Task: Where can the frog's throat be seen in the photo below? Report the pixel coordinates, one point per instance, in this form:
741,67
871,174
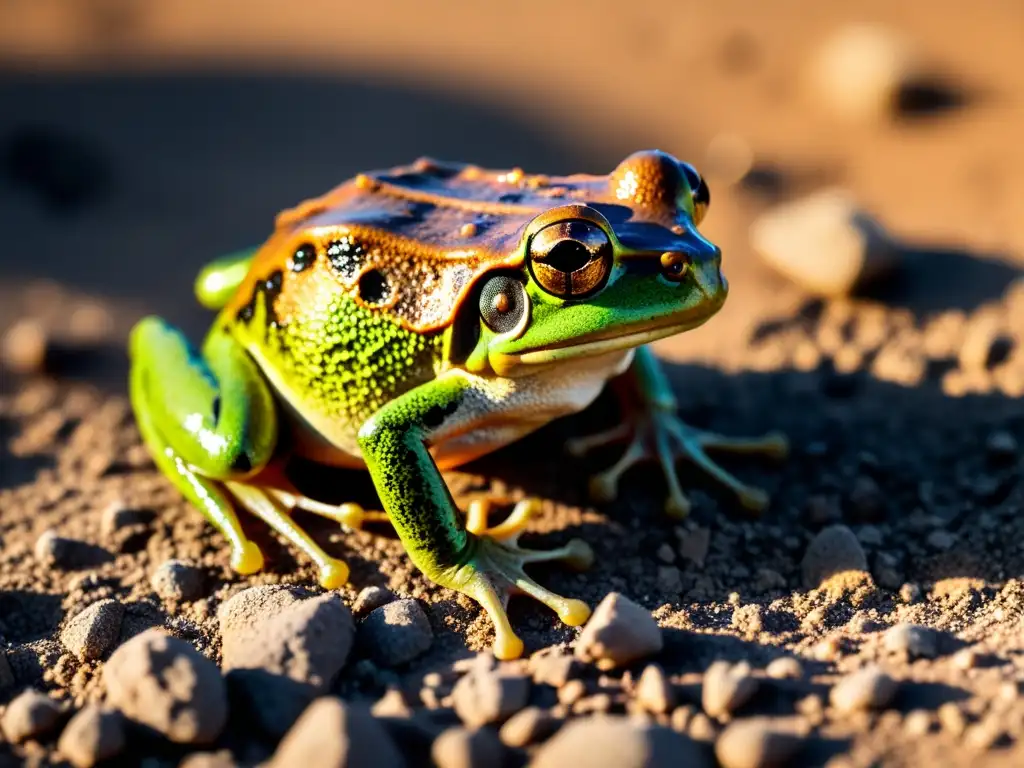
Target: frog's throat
506,365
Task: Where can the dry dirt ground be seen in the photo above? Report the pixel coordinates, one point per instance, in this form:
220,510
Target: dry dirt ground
142,140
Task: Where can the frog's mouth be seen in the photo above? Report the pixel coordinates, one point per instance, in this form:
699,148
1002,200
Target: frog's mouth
595,344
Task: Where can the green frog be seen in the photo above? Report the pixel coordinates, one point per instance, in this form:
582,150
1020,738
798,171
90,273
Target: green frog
414,319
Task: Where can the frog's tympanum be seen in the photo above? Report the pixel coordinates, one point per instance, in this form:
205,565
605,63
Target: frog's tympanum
414,319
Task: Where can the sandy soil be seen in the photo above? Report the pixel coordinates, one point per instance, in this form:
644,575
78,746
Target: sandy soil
144,139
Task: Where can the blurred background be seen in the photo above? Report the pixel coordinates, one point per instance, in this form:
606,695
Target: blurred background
138,140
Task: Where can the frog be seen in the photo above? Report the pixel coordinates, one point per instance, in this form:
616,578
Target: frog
416,318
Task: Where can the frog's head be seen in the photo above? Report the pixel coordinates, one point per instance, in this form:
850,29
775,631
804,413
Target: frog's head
604,276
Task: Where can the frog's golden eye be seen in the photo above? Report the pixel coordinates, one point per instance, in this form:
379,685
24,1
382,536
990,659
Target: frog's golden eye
674,265
503,303
571,259
699,192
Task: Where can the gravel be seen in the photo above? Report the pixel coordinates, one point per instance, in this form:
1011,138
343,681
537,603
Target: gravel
177,580
285,662
371,598
757,742
654,691
30,715
92,736
835,549
911,641
727,688
464,748
164,683
396,633
333,734
866,689
618,633
531,725
93,632
605,741
485,696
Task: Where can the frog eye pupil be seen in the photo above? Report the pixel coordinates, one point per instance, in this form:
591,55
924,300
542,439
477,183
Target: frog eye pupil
502,303
568,256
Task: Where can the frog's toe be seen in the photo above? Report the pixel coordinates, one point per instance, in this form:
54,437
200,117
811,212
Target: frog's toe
510,528
246,558
495,571
333,573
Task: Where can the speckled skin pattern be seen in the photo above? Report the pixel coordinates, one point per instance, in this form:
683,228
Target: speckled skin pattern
415,319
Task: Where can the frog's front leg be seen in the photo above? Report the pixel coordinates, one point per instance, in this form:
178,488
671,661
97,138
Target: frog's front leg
487,567
655,431
210,423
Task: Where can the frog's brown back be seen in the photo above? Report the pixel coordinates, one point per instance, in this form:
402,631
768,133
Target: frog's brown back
410,241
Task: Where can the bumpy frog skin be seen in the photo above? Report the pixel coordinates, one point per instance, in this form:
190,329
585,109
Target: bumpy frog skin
414,319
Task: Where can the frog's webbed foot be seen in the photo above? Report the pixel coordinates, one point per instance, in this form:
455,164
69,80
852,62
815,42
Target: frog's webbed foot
655,433
494,570
267,505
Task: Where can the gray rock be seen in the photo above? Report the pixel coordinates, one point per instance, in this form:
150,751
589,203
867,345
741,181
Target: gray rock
117,516
757,742
835,549
332,734
528,726
372,598
30,715
726,688
653,691
618,633
67,554
396,633
242,616
92,736
912,641
866,689
489,696
177,580
291,659
164,683
606,741
463,748
784,668
93,632
824,243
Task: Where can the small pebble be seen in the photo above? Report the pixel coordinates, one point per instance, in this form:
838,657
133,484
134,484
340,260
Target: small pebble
618,633
835,549
940,540
694,545
866,689
913,642
531,725
824,243
371,598
333,734
93,632
485,696
222,758
867,504
92,736
756,742
24,347
952,718
727,688
177,580
1001,447
572,691
552,668
784,668
603,741
396,633
966,658
117,516
982,336
653,691
666,554
917,723
30,715
463,748
858,72
164,683
64,553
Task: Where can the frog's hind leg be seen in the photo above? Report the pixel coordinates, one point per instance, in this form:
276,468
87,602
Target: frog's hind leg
269,507
205,494
655,432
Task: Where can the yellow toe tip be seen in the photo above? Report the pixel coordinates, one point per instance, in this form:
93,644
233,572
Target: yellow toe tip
602,489
677,508
776,445
574,613
353,515
507,647
754,499
579,555
247,559
334,575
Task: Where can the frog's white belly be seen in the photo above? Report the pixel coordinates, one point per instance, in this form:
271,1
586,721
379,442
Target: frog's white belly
494,412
